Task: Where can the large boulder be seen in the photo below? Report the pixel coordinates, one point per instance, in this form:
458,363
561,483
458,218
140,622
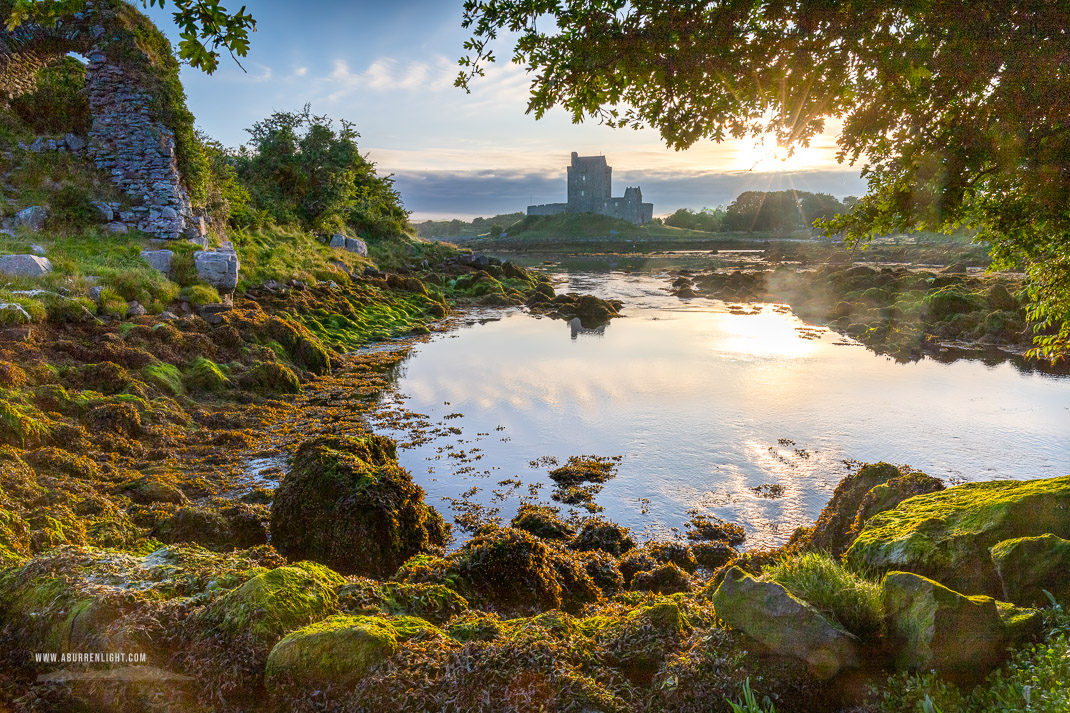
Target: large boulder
219,267
787,626
1029,566
32,218
24,265
947,535
936,629
348,504
339,651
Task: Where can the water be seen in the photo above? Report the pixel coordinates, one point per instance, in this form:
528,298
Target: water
704,405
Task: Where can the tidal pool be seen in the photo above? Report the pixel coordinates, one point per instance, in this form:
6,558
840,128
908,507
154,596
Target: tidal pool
705,405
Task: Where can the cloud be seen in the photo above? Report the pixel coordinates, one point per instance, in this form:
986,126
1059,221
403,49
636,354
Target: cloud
387,74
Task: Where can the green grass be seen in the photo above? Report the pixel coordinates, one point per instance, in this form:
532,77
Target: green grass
287,253
832,589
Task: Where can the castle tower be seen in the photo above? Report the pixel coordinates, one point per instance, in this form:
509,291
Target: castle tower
590,183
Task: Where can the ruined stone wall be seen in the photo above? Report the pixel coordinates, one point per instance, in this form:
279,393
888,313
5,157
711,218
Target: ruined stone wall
136,151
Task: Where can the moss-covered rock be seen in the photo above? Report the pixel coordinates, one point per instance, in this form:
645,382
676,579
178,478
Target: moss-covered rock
936,629
637,641
270,377
348,504
888,495
834,529
1029,566
436,603
713,555
666,578
947,535
201,525
150,489
271,604
515,571
204,375
337,652
770,614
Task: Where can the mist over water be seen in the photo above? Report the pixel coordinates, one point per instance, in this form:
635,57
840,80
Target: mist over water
704,405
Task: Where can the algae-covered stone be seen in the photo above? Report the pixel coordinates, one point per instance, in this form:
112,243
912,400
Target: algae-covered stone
279,601
888,495
769,614
1029,566
348,504
947,535
639,641
934,628
834,529
542,521
513,570
340,650
599,534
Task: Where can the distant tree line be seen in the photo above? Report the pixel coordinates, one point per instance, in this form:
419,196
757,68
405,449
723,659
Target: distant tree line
457,228
763,211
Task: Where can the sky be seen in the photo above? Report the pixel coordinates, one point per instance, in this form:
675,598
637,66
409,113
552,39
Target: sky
389,67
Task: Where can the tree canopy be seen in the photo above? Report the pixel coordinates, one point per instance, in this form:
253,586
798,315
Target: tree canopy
958,111
304,171
205,26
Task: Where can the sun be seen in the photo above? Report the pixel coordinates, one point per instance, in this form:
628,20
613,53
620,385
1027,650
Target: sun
764,154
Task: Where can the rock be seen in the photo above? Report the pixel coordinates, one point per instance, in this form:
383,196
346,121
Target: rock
347,503
1029,566
167,316
787,626
888,495
37,249
117,228
24,266
148,489
340,650
274,603
75,143
358,246
94,292
39,144
370,271
200,240
32,218
948,535
219,267
543,521
936,629
959,268
160,260
663,579
834,529
338,241
515,571
599,534
135,309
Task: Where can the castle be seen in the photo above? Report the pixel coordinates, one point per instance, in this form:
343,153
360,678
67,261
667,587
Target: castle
590,181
